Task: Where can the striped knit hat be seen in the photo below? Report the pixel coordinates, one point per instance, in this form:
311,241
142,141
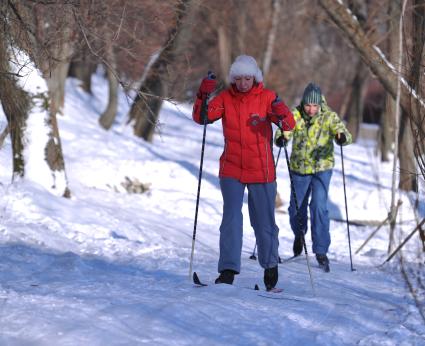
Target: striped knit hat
312,94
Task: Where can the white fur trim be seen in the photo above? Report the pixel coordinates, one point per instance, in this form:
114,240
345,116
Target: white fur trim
245,65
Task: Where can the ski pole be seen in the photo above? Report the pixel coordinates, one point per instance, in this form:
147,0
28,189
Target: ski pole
346,210
204,116
298,217
253,256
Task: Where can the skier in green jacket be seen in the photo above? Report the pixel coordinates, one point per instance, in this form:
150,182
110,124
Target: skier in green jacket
311,164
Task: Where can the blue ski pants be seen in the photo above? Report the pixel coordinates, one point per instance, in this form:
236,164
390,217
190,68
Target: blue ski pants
317,186
261,206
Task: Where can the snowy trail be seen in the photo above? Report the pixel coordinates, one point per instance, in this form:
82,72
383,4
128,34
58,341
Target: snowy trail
110,268
131,304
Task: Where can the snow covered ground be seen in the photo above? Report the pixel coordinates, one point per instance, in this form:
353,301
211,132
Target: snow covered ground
111,268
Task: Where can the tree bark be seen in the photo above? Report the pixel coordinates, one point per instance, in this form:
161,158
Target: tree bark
240,33
145,109
55,77
271,38
416,77
16,104
224,52
386,132
408,179
108,116
387,118
354,115
82,69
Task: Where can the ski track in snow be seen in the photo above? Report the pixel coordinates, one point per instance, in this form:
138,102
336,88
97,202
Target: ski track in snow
110,268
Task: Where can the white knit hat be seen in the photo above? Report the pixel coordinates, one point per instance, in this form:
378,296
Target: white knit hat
245,65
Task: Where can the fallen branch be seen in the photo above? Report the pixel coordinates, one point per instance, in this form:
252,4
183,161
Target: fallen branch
389,217
417,228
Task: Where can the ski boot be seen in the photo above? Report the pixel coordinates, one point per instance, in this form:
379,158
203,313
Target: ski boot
323,262
270,278
226,277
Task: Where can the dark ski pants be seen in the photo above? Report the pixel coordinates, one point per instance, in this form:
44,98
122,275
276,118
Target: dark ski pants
261,206
316,185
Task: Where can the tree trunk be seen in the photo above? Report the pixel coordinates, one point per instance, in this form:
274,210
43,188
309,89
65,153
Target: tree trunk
240,33
82,69
387,118
108,116
408,179
16,104
355,107
146,106
55,76
271,38
145,109
386,132
224,52
53,150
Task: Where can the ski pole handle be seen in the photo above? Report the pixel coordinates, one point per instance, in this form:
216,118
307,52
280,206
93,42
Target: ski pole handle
204,106
211,75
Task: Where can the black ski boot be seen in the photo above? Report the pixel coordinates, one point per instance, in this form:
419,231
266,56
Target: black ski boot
270,278
323,262
298,246
226,277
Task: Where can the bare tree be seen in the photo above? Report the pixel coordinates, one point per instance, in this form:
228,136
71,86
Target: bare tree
145,109
44,32
414,134
387,118
108,116
82,66
271,37
373,57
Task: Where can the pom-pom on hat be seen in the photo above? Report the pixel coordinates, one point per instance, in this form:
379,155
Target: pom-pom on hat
312,94
245,65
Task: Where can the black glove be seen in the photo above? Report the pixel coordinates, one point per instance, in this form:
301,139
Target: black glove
340,138
281,141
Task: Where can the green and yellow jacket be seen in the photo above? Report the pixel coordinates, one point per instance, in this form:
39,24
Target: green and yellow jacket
313,148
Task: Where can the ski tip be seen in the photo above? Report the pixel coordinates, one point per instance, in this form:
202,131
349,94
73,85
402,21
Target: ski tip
256,288
196,280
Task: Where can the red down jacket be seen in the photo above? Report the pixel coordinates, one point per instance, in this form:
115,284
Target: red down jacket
246,119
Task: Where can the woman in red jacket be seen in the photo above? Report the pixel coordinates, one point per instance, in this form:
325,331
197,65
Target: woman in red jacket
247,111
